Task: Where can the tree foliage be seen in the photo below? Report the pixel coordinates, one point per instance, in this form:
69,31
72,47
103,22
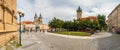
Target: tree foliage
101,21
56,23
68,25
77,25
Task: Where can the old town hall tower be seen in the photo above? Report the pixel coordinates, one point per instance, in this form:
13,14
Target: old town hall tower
79,13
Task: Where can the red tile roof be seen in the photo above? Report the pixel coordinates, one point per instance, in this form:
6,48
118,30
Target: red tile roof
93,17
90,17
83,18
26,22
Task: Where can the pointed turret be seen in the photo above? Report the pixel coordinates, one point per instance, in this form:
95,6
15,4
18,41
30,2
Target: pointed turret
35,18
40,16
40,19
79,9
35,15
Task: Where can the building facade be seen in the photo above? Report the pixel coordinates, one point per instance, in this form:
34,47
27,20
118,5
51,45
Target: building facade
8,21
114,18
30,26
36,25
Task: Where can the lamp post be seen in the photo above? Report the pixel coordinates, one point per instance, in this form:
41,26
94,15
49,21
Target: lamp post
21,14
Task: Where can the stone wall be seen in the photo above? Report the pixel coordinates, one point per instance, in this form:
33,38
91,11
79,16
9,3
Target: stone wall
8,20
114,19
119,15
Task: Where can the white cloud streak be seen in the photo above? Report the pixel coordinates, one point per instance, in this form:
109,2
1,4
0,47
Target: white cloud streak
64,11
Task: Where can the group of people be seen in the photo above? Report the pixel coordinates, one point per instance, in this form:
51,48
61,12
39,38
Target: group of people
33,30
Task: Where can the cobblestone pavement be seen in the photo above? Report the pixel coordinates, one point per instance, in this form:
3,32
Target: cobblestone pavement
49,41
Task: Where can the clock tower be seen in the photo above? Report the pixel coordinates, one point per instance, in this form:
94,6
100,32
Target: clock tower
79,13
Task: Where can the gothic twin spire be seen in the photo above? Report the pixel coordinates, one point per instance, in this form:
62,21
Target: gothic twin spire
37,16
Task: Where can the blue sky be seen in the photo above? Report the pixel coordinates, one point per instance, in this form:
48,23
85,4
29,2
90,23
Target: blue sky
64,9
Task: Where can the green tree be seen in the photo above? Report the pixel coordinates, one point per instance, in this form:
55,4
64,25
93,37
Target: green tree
76,25
68,25
95,25
101,21
56,23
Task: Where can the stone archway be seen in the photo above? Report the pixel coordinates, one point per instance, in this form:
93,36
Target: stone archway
113,29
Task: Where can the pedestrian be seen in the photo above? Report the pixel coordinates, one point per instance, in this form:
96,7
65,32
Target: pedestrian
30,29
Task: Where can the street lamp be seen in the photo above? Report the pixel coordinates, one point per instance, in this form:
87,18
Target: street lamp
21,14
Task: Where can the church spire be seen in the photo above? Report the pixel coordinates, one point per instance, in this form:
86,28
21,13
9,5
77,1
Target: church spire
79,13
35,15
79,9
40,16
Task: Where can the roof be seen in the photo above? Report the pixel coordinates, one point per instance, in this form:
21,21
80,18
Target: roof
83,18
90,17
93,17
26,22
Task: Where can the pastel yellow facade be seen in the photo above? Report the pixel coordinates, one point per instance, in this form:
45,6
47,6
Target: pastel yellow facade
8,21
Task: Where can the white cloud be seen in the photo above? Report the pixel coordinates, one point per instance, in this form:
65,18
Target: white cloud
25,6
49,8
49,11
103,6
